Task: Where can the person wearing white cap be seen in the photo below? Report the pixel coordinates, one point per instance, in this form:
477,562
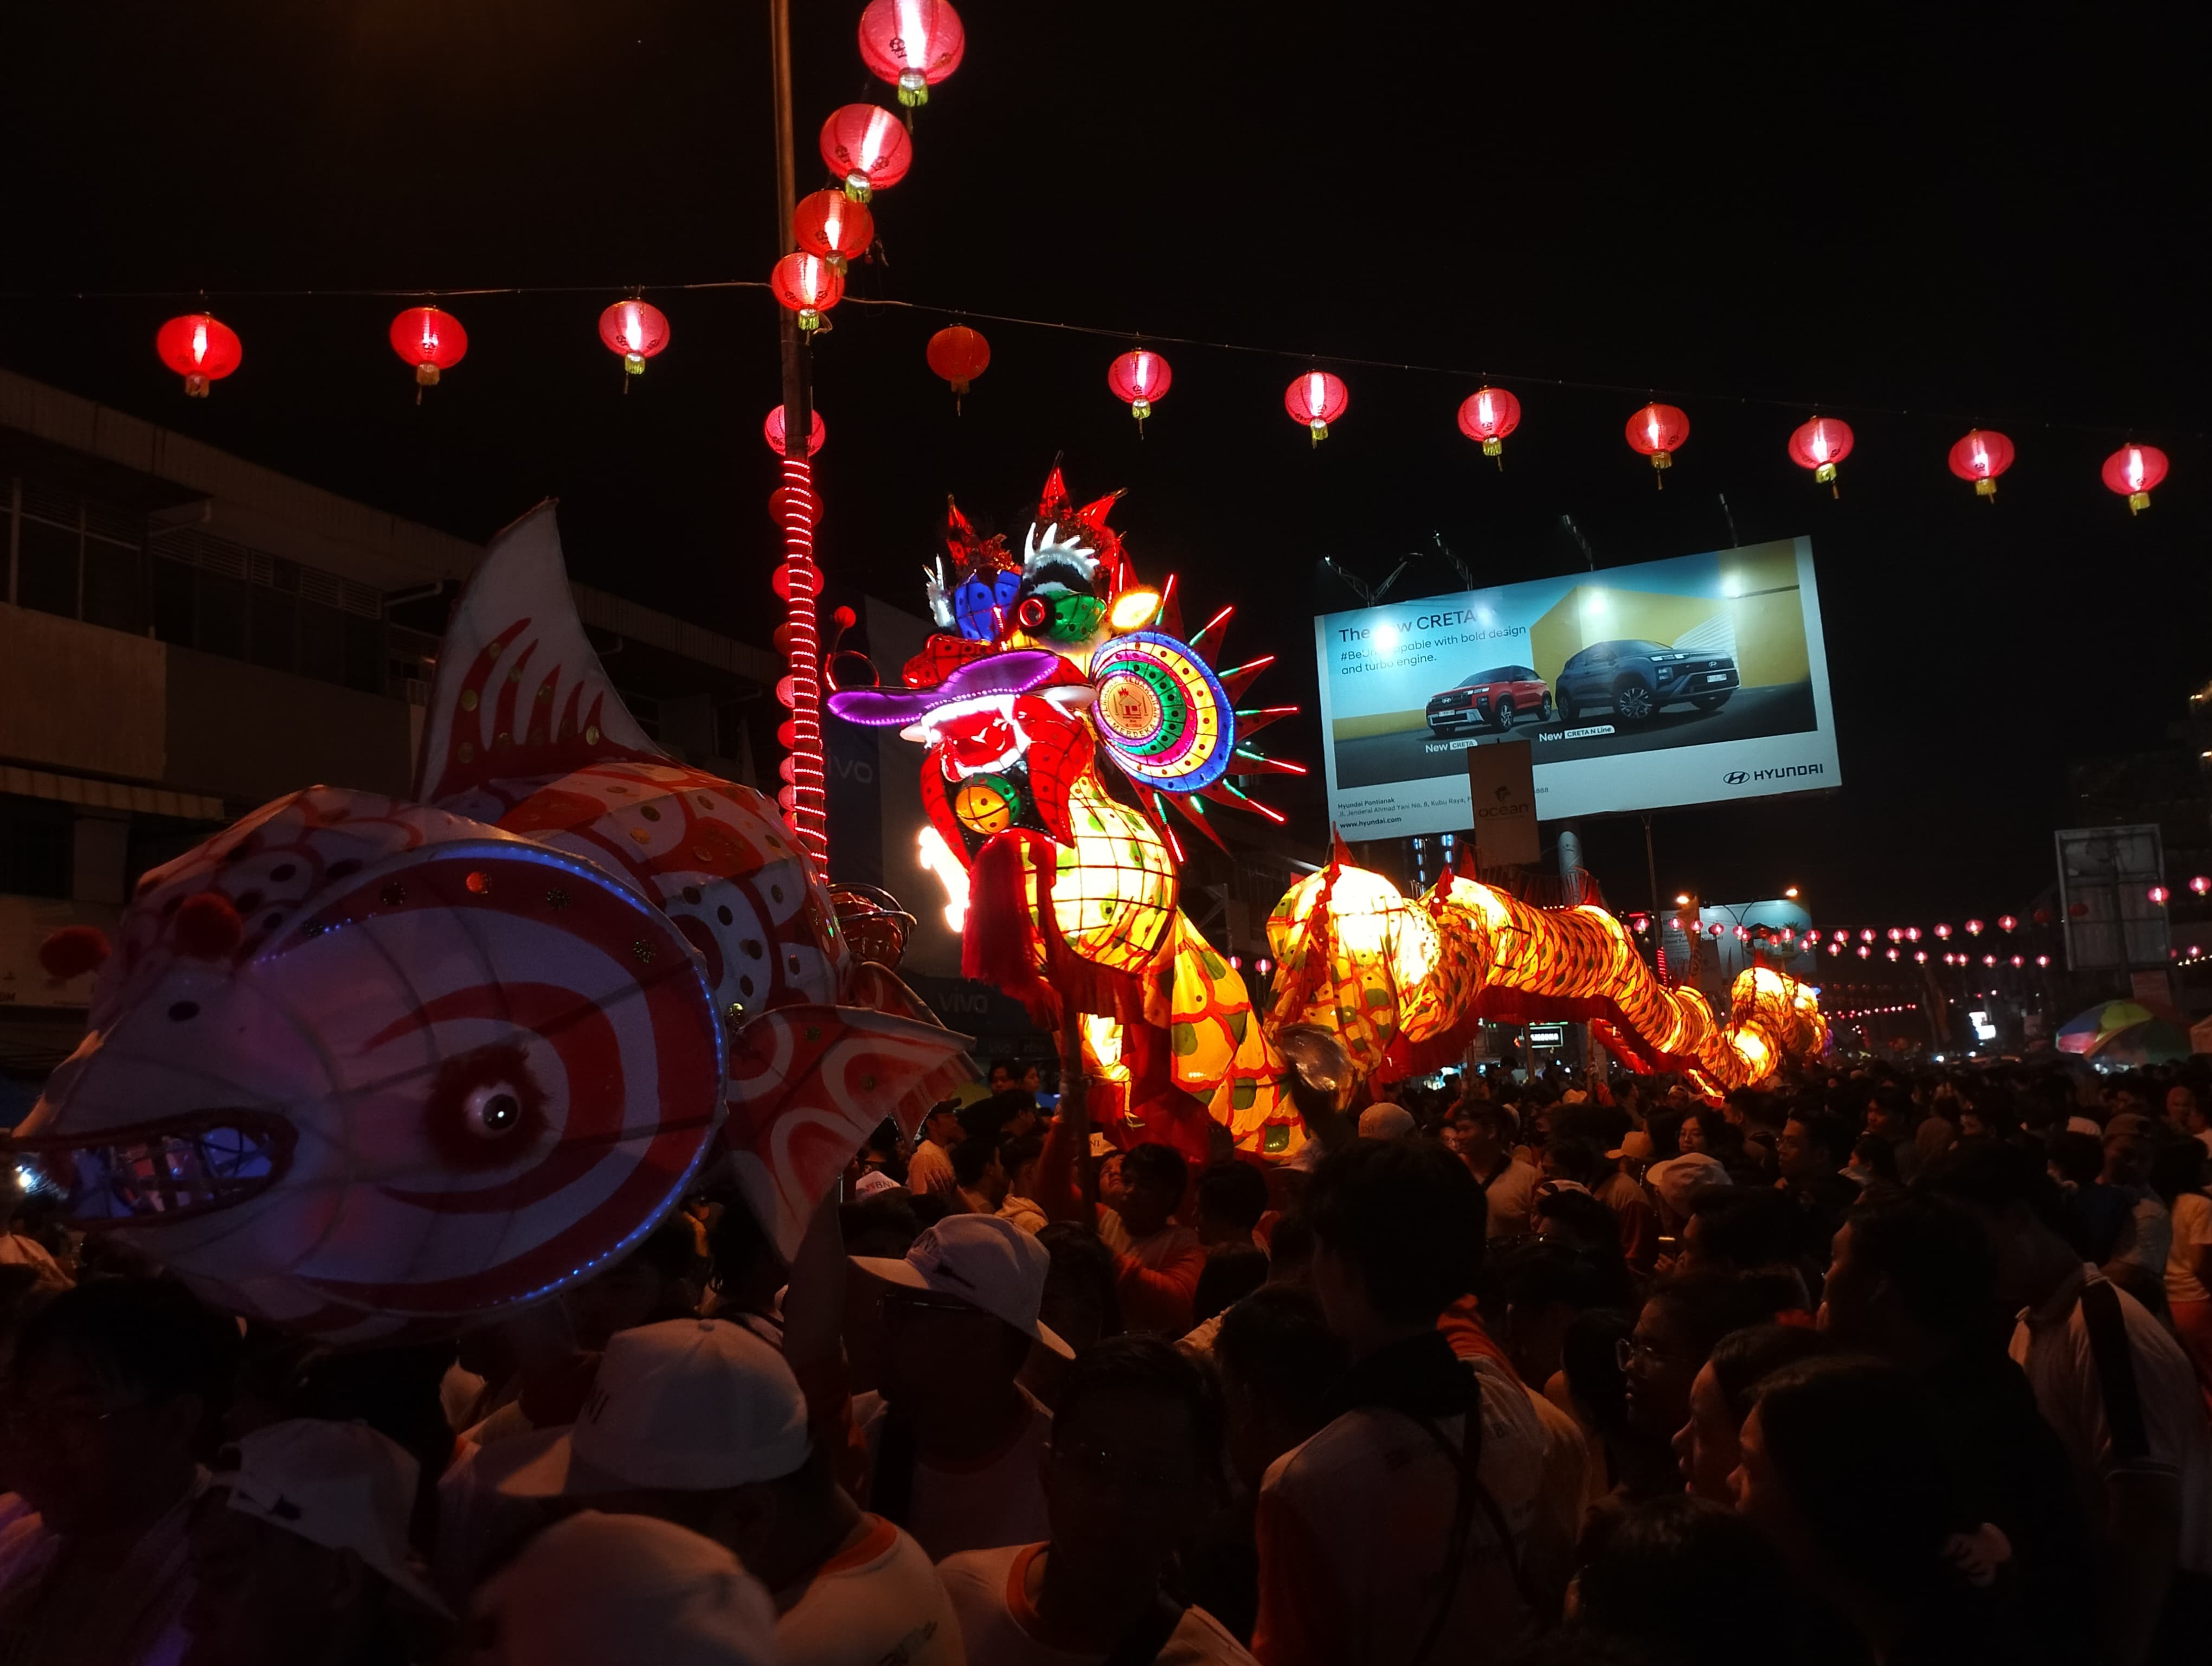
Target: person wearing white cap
299,1553
701,1423
953,1440
608,1591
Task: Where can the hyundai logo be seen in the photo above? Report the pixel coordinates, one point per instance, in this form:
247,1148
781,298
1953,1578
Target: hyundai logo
1736,778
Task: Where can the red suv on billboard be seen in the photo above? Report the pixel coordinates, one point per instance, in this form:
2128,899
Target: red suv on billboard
1490,699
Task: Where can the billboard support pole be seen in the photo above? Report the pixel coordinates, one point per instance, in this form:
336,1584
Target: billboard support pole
1651,865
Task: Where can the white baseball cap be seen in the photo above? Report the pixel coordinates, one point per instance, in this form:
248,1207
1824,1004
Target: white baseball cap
874,1182
984,1261
1386,1121
692,1405
1678,1176
342,1485
595,1589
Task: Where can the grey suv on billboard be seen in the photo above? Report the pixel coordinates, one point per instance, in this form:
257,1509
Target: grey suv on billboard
1636,678
1491,699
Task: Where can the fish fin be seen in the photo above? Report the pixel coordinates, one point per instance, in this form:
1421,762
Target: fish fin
808,1084
519,693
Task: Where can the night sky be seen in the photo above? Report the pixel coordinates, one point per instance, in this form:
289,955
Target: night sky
1919,218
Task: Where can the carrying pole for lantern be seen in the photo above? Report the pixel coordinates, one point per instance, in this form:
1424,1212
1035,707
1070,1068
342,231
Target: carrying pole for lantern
804,799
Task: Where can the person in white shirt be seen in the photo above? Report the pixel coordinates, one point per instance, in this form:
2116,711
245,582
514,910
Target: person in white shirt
1135,1457
929,1171
701,1423
2145,1465
1480,1130
953,1440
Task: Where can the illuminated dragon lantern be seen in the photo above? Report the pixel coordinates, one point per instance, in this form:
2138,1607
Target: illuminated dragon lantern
369,1067
1068,722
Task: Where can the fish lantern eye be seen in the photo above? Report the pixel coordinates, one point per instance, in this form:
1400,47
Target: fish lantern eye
1033,613
491,1111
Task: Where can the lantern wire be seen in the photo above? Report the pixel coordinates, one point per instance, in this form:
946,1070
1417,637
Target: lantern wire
1142,337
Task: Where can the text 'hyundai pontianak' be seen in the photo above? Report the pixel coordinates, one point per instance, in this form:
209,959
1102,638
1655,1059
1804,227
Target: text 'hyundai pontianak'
1046,664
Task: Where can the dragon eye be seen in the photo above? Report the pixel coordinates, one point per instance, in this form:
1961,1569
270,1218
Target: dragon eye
1033,612
491,1111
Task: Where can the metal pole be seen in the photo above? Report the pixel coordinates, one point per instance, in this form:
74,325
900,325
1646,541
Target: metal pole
805,801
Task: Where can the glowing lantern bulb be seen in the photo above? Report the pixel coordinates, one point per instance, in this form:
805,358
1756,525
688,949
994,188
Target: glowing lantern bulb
1658,432
1981,455
1138,378
1316,398
636,329
2132,471
912,43
200,348
2159,894
1973,928
1486,417
2007,922
1819,445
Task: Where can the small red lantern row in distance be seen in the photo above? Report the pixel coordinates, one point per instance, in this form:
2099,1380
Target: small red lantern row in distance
430,339
1819,445
959,354
912,43
866,148
1486,417
200,348
2132,471
1316,398
1658,431
817,431
1981,455
808,285
830,224
1138,378
637,330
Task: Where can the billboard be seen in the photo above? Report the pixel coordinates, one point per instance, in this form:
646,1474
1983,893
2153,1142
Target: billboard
1697,680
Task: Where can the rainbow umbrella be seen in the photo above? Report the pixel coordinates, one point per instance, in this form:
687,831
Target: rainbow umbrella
2155,1042
2090,1032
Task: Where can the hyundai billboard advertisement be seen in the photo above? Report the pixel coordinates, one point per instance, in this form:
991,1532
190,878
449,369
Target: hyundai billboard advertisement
1699,679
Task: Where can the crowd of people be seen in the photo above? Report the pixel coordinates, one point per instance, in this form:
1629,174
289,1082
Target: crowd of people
1868,1364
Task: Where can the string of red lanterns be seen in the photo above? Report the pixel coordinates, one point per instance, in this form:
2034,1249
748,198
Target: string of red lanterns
834,226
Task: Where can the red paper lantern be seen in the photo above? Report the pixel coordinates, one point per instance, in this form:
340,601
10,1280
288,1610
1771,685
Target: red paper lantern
1973,928
866,148
1486,417
1316,398
772,431
1819,445
1942,931
430,339
2201,884
830,224
2159,894
808,285
1981,455
1658,432
199,347
2132,471
912,43
636,329
2007,922
1139,378
959,354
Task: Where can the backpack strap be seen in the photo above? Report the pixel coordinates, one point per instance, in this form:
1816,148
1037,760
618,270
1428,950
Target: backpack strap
2107,1326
